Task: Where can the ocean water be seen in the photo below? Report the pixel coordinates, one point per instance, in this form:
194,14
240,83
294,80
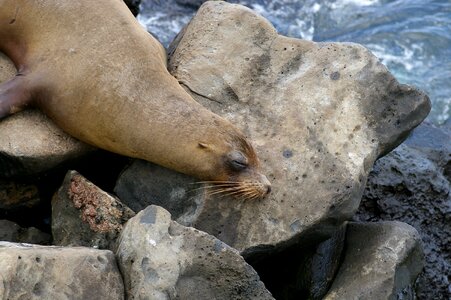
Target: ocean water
411,37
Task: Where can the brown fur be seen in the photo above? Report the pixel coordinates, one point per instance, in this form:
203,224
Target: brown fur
101,77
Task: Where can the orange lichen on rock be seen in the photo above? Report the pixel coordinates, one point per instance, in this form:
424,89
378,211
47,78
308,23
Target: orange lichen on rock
97,208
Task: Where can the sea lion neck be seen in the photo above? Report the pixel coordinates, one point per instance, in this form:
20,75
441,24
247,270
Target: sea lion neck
96,72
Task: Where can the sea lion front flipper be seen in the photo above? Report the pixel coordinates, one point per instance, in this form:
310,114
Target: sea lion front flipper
14,96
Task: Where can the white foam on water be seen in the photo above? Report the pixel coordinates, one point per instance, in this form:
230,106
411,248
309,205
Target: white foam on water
342,3
406,59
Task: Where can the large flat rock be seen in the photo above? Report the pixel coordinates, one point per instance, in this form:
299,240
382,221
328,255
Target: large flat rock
319,114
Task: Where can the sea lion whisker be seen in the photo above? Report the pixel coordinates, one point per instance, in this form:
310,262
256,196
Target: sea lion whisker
235,192
247,194
221,191
213,187
215,181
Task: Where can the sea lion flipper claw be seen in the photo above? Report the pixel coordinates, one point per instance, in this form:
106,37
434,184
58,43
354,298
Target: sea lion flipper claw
14,96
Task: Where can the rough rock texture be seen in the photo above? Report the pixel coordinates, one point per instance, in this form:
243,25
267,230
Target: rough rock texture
319,114
161,259
382,261
29,142
35,272
412,184
84,215
12,232
14,195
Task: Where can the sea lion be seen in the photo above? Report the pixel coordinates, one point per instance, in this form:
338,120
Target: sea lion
95,71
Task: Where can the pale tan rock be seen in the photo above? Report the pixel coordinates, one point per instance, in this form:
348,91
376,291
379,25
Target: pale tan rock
319,114
37,272
29,142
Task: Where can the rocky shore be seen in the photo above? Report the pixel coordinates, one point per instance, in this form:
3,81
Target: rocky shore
343,221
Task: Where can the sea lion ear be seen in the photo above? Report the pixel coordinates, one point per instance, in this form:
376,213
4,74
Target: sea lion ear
202,145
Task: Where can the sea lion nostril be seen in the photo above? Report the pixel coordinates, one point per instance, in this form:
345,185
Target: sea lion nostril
268,189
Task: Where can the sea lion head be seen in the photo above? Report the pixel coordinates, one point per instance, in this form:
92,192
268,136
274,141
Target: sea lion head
237,170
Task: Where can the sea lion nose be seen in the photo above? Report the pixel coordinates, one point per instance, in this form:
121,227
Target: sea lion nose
267,184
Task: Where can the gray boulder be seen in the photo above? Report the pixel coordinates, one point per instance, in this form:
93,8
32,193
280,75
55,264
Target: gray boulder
84,215
382,261
143,183
161,259
29,142
412,184
319,114
12,232
37,272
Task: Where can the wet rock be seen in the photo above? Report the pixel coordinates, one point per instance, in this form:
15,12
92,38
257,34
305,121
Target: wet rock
29,142
15,195
318,114
161,259
12,232
37,272
84,215
382,261
412,185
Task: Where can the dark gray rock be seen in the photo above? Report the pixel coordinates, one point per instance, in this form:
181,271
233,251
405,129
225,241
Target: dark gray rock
161,259
84,215
143,183
37,272
382,261
412,185
12,232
